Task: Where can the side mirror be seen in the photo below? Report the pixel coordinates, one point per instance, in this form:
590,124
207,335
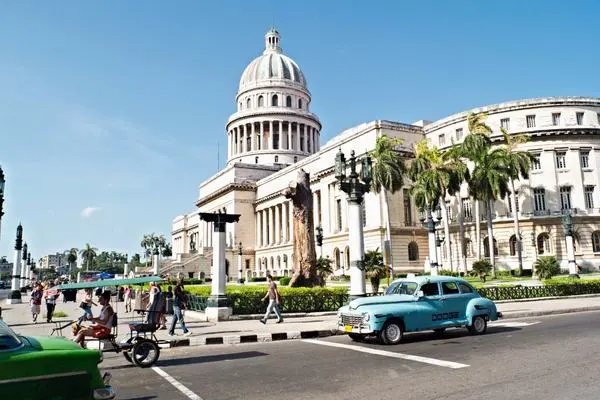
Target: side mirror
418,294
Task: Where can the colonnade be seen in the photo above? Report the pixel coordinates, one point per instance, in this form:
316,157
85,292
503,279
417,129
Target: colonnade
274,225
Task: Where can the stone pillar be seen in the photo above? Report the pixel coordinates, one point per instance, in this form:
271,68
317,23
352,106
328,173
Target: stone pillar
291,218
270,147
229,145
357,250
273,225
253,137
264,225
15,294
261,144
571,256
155,262
289,136
126,269
277,225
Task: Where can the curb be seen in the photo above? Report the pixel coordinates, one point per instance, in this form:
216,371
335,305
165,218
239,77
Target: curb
295,335
578,296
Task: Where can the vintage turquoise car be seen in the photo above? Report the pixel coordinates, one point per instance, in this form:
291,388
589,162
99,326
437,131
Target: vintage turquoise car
48,368
417,304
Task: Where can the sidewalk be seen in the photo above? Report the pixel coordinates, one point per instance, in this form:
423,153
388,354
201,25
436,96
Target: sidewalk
249,329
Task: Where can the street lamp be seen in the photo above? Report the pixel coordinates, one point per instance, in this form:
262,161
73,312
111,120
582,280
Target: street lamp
440,237
430,221
240,269
2,182
567,222
355,186
319,238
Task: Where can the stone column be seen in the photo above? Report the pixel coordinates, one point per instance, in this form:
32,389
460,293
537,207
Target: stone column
357,250
291,218
571,256
155,262
264,225
257,227
270,147
253,136
15,294
23,273
289,136
243,138
261,143
277,225
298,136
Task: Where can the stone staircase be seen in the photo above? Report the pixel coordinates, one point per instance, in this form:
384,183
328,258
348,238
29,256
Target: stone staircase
189,263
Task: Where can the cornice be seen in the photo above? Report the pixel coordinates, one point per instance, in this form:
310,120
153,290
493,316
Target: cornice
236,186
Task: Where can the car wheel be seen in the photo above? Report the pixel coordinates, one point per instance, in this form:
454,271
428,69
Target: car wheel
439,330
145,353
392,332
478,325
357,337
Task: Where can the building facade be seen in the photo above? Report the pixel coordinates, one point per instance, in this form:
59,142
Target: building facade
273,134
53,261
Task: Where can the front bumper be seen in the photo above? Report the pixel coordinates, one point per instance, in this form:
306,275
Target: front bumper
362,329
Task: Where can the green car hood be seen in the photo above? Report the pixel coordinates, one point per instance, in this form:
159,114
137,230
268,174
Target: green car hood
380,300
50,343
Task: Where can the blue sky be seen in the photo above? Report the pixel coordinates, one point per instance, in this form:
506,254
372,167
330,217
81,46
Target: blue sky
112,112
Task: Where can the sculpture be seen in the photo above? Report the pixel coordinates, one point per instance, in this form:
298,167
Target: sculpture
305,258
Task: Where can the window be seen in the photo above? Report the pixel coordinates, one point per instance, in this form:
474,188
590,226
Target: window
543,243
510,202
247,262
295,158
539,199
486,247
555,119
413,251
565,197
248,143
561,162
584,159
448,211
536,164
588,194
248,103
288,101
450,288
338,204
442,140
459,134
274,100
299,103
468,248
275,141
531,121
430,289
468,214
407,207
276,159
261,101
505,123
464,288
596,241
512,245
579,117
598,115
255,160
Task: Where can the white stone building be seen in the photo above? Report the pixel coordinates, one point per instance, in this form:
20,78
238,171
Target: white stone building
273,134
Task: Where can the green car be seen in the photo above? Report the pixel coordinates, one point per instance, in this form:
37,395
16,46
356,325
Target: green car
36,368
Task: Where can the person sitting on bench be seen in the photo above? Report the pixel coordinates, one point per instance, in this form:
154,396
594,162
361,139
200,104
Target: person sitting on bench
101,326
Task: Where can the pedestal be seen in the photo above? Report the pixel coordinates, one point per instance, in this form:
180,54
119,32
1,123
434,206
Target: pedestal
218,308
14,297
240,270
571,257
357,250
16,273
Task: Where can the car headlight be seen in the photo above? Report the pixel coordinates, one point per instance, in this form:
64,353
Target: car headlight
366,317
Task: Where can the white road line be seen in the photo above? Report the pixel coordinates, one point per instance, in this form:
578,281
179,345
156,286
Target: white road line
514,324
187,392
426,360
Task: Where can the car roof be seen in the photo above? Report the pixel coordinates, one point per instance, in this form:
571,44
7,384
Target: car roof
429,278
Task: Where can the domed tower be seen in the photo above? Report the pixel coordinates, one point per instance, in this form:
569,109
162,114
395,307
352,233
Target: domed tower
273,124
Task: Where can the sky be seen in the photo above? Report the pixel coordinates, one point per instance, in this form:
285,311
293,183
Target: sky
113,112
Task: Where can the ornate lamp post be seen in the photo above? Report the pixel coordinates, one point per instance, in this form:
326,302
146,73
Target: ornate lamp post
355,186
240,268
23,284
567,222
342,262
428,220
440,237
2,182
319,238
15,294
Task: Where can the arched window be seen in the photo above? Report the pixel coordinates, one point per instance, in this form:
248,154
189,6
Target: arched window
248,143
486,247
274,100
248,103
288,101
596,241
543,243
512,245
299,103
336,258
347,258
272,263
413,251
261,101
468,247
278,262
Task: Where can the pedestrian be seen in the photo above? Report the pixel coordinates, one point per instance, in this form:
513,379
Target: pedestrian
36,301
87,303
128,296
178,306
50,295
274,298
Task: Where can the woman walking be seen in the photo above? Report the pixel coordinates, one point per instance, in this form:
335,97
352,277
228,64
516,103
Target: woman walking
36,301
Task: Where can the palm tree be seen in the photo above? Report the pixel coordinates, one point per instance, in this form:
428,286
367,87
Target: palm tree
489,182
167,251
518,164
474,146
324,269
374,268
147,243
388,177
88,254
72,257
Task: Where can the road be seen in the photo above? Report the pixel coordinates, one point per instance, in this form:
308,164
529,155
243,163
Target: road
546,357
4,294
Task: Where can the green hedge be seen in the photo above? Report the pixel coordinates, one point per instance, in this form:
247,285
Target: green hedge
551,288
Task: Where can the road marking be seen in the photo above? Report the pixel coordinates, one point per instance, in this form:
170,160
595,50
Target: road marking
426,360
514,324
178,385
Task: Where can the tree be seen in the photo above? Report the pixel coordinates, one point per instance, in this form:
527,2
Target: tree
518,164
374,268
546,267
72,257
88,254
324,269
167,250
388,177
147,243
482,268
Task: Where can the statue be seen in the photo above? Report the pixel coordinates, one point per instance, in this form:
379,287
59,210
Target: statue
305,258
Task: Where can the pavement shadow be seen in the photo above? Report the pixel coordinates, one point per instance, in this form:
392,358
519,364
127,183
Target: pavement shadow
214,358
455,333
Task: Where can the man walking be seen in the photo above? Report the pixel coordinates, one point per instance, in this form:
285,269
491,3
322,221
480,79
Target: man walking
178,306
274,299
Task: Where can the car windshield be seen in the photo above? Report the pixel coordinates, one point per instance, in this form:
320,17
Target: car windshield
402,287
8,339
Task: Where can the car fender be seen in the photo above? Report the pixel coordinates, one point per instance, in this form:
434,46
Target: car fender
481,306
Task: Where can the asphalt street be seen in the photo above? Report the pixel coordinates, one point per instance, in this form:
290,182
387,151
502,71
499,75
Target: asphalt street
543,358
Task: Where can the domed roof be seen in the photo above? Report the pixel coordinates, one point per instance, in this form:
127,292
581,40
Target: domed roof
272,65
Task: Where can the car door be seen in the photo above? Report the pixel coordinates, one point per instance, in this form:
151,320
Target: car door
430,307
454,304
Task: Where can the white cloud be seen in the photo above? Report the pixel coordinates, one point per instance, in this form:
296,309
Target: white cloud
88,211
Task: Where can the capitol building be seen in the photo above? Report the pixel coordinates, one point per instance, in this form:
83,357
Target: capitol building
274,133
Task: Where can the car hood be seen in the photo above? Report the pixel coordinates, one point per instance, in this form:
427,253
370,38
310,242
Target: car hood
379,300
50,343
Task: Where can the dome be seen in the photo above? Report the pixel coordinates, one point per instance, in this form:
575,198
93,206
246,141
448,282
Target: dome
272,65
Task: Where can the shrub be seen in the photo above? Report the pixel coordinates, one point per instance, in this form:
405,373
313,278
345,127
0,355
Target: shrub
258,279
504,274
482,268
546,267
447,272
284,281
